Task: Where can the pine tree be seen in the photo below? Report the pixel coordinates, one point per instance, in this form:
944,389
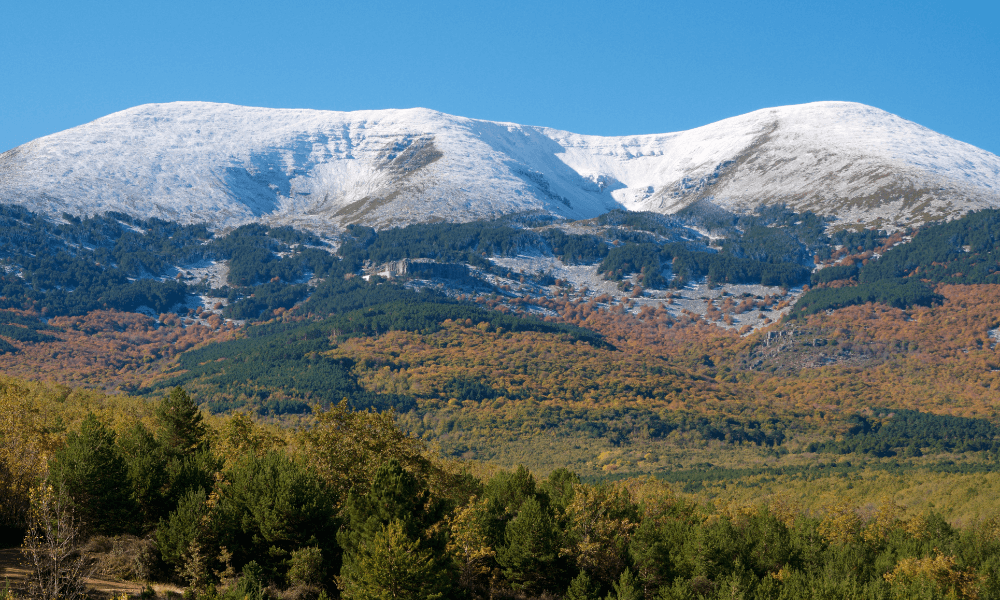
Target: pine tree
393,521
181,430
392,565
188,463
271,506
529,556
147,473
92,471
581,588
176,534
626,588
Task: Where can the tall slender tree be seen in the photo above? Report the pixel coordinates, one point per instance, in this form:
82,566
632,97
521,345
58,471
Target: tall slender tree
181,427
92,471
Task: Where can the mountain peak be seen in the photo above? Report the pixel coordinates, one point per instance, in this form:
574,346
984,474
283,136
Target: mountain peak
227,164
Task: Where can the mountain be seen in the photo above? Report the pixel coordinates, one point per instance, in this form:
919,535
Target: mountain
228,165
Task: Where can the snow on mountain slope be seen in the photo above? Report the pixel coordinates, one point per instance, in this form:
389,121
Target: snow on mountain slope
226,164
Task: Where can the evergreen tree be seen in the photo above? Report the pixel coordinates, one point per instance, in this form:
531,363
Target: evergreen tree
662,551
270,506
393,521
529,555
92,471
626,588
559,487
188,463
185,526
181,430
581,588
393,565
147,473
506,492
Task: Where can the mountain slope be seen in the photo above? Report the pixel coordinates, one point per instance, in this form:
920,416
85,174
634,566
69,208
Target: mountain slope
226,164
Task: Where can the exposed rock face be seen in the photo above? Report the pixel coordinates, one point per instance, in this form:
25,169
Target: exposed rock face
421,269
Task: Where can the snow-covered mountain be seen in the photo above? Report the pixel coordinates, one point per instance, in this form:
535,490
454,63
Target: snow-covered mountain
226,164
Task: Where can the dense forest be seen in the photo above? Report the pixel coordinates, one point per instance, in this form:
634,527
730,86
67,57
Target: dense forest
114,261
349,506
963,251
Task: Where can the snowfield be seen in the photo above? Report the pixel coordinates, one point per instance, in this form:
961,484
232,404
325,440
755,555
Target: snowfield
227,165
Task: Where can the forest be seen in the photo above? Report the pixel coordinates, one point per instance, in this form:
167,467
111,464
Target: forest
519,440
349,506
963,251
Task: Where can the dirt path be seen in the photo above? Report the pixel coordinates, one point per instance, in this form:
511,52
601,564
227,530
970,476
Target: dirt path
14,572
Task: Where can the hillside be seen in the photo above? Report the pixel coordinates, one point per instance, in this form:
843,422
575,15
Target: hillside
626,344
228,165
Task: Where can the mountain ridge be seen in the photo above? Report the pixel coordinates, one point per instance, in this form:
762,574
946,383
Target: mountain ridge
227,165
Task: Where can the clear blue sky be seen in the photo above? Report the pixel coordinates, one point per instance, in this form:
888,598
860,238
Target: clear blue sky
606,68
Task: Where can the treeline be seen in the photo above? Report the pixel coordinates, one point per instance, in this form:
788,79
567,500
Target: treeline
349,507
699,477
114,261
653,262
620,426
465,242
898,293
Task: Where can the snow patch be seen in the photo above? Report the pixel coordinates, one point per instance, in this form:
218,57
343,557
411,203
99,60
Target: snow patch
227,165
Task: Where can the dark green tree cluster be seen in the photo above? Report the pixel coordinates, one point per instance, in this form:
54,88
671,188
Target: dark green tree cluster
120,262
655,262
835,273
86,264
127,483
899,293
910,432
575,249
865,240
265,297
289,356
390,540
963,251
662,225
767,245
465,242
252,252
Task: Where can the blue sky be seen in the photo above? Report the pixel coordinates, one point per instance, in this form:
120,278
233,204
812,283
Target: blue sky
605,68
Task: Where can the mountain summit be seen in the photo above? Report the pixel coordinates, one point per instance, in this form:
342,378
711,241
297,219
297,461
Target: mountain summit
227,164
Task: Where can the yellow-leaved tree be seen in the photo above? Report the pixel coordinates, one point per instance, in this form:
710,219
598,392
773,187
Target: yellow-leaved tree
25,447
